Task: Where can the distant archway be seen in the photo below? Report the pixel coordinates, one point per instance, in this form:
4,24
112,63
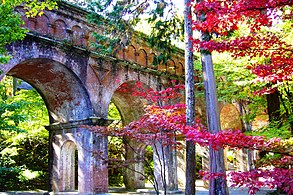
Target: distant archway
130,101
131,107
230,118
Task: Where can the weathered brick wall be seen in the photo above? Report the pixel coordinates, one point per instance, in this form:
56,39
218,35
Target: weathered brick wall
77,84
69,24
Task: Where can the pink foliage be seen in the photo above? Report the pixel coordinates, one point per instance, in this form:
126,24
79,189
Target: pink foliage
163,123
258,178
224,17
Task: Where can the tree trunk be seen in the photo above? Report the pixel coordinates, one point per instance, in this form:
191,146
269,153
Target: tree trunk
190,100
217,185
15,85
247,128
273,104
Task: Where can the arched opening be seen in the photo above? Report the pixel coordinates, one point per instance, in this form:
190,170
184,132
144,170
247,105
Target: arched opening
24,140
230,119
65,100
76,170
68,166
131,99
115,150
126,156
64,94
130,106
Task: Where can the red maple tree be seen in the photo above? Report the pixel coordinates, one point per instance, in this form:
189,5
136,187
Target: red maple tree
221,20
227,16
166,122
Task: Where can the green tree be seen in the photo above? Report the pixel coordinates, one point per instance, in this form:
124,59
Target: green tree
24,148
10,29
10,21
118,19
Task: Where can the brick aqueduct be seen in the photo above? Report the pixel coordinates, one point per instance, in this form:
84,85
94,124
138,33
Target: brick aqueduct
77,85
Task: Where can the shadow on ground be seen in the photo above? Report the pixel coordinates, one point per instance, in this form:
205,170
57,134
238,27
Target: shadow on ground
200,190
121,191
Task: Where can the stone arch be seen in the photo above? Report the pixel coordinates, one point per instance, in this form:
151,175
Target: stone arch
162,67
58,78
179,70
151,59
171,68
56,74
127,75
60,29
131,108
65,96
77,37
67,163
130,53
142,58
230,118
42,25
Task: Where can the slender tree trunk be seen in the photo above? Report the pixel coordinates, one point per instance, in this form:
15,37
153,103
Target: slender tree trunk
190,100
14,85
273,104
247,128
217,186
217,165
